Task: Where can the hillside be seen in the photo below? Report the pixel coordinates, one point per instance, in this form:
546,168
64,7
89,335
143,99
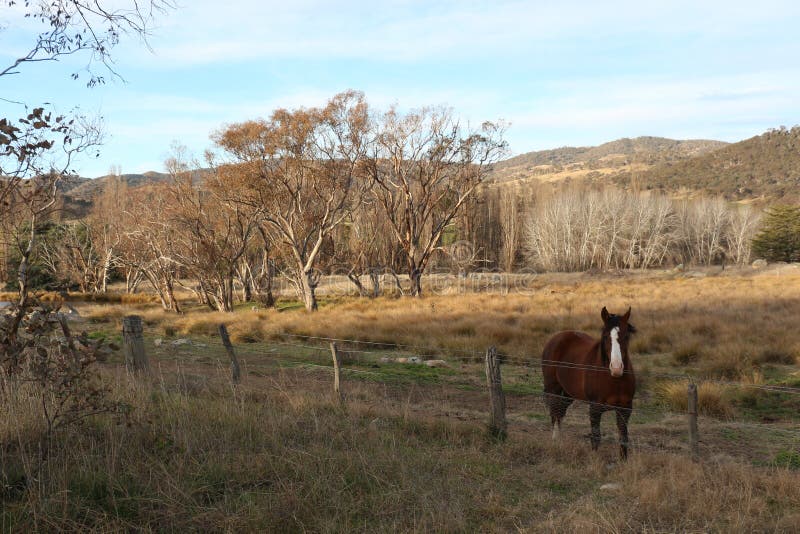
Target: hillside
766,166
88,188
609,159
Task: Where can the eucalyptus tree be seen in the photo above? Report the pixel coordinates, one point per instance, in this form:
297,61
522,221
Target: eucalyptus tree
425,166
304,170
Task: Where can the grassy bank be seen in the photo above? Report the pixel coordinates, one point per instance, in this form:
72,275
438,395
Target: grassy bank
273,456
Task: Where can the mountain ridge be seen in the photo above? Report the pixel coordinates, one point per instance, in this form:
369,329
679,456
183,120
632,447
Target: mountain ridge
765,167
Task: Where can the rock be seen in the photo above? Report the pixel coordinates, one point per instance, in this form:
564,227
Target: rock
181,341
759,264
414,359
158,341
385,359
436,363
613,486
402,360
679,268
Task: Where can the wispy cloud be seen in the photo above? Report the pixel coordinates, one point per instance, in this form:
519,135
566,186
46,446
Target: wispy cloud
567,72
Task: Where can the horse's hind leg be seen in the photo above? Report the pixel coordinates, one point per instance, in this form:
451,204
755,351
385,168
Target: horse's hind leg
558,404
595,413
623,414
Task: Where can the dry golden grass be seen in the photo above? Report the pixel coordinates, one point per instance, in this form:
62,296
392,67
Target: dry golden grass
720,325
77,296
276,455
712,398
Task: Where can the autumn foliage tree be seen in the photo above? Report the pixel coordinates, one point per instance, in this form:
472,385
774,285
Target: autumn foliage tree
303,169
211,231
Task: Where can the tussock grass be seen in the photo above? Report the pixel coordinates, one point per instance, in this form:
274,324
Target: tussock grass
77,296
275,456
718,326
712,399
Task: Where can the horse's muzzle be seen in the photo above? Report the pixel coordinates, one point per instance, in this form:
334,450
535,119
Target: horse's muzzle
617,372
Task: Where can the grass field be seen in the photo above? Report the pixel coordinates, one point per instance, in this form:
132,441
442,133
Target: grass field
408,450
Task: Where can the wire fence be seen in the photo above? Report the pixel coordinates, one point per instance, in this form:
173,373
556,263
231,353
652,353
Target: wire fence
372,374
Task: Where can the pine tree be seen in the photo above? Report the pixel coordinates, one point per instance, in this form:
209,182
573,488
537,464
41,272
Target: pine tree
779,237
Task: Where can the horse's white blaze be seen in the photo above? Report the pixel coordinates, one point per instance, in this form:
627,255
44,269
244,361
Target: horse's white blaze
616,353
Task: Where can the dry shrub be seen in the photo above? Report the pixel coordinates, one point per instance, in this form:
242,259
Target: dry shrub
776,355
687,354
712,398
664,493
651,342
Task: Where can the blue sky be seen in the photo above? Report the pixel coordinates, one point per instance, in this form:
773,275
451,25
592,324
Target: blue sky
561,73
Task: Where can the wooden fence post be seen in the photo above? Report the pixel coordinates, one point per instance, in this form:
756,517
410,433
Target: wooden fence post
236,371
133,344
497,400
692,412
336,372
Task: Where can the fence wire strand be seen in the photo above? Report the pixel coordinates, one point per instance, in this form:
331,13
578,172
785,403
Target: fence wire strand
445,396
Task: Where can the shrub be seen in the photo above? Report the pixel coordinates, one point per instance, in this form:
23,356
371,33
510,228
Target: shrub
712,398
686,354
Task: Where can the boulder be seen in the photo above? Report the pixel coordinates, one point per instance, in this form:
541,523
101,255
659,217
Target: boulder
759,263
436,363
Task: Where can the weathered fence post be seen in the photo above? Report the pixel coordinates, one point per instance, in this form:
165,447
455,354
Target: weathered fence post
236,371
133,342
497,400
337,362
692,412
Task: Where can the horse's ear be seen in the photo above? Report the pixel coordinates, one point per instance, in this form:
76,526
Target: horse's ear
604,314
627,314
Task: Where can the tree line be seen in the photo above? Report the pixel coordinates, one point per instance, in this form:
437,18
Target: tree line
286,195
346,189
575,229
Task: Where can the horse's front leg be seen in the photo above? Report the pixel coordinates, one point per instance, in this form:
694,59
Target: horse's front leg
595,413
623,414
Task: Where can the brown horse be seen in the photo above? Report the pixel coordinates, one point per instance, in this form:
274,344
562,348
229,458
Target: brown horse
577,366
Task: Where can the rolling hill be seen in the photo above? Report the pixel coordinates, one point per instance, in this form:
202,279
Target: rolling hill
609,159
763,167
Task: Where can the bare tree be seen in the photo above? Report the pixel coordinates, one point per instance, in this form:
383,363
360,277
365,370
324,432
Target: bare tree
147,244
744,224
425,167
577,229
90,28
211,232
510,209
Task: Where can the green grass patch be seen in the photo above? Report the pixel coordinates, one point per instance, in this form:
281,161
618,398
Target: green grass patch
788,459
522,388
